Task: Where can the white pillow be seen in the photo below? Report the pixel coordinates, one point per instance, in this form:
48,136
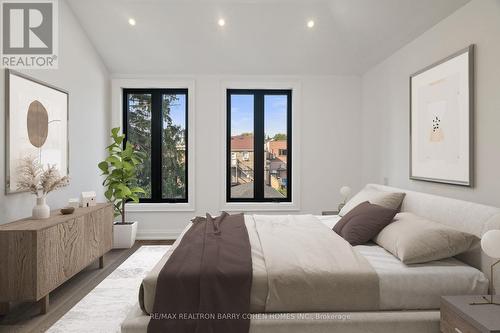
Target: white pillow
386,199
414,239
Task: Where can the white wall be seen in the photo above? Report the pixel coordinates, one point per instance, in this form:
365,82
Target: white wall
82,73
385,103
330,143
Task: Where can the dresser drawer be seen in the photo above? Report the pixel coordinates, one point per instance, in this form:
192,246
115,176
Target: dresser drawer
451,322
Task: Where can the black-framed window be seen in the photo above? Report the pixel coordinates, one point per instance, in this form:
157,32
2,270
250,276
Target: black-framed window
259,149
156,122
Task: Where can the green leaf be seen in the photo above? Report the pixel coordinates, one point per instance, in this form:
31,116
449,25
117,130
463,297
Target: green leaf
124,189
128,167
112,159
116,174
115,161
129,150
103,166
137,190
115,146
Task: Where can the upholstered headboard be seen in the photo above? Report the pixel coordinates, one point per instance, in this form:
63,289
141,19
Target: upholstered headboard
466,216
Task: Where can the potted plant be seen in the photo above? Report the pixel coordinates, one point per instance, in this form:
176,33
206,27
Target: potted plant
40,182
120,169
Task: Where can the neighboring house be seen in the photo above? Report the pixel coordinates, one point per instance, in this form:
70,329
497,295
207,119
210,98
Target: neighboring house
276,167
242,157
277,149
242,162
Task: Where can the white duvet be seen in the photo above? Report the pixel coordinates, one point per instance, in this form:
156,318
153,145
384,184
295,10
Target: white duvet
299,265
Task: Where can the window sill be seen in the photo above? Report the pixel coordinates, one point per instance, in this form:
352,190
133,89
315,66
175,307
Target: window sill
160,207
260,206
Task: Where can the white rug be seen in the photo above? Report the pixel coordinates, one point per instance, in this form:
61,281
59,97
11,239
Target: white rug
107,305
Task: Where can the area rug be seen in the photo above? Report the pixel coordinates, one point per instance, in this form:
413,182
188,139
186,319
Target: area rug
107,305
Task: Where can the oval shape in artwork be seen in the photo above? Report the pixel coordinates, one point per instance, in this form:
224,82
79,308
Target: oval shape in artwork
38,124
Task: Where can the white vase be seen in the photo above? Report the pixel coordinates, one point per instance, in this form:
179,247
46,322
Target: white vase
124,235
41,209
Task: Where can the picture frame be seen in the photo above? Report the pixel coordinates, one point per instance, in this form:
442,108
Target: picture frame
442,120
36,123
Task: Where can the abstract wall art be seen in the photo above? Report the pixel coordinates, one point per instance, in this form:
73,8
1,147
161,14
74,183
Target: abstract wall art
36,125
441,120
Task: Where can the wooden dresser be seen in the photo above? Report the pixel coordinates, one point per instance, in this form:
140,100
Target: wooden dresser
37,256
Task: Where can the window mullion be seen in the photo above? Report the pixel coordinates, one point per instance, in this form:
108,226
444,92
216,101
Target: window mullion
259,146
186,150
156,146
289,145
228,146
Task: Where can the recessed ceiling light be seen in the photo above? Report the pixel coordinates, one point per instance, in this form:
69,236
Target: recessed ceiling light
131,21
310,23
221,22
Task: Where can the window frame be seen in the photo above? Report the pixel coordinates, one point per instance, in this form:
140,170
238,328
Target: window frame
259,140
156,139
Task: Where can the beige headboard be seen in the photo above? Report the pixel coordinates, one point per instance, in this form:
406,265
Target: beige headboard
466,216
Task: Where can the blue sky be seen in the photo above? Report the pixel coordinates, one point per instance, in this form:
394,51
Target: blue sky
178,111
242,114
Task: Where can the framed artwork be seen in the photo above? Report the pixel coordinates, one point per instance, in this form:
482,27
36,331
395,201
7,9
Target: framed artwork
441,120
36,125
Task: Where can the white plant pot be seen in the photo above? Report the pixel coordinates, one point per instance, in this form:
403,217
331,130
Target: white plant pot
124,235
41,209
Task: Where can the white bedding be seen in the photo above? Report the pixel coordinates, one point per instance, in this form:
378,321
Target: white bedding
307,267
402,287
417,286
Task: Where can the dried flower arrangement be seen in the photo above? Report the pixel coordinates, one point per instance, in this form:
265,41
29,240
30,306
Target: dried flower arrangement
37,180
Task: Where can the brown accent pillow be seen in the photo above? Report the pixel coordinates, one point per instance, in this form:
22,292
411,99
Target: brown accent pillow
364,222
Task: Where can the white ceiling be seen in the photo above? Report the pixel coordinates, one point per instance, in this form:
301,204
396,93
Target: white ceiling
260,36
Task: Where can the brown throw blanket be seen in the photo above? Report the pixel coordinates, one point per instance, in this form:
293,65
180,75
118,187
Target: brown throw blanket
205,285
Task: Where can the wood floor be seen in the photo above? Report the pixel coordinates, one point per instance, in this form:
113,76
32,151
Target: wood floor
25,317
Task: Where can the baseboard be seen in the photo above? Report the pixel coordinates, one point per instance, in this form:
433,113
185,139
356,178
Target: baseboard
157,234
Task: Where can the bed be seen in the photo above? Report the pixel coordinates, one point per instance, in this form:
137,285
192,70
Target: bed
407,295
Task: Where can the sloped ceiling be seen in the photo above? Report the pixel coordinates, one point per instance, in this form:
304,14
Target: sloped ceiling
268,37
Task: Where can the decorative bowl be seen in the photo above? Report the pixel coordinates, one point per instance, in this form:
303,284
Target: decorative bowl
67,210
